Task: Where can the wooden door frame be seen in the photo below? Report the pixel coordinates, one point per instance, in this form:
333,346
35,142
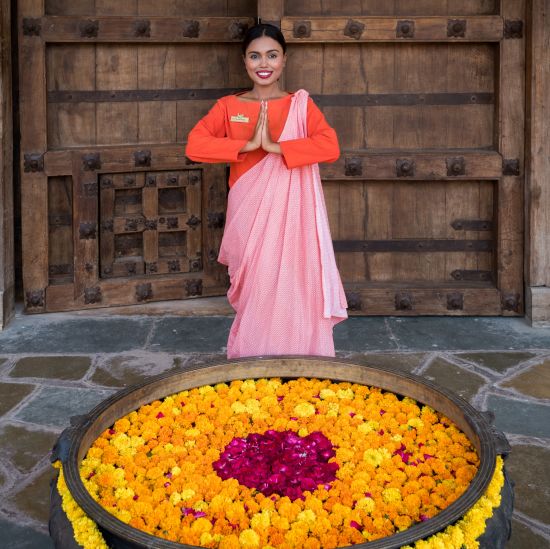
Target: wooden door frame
537,166
7,275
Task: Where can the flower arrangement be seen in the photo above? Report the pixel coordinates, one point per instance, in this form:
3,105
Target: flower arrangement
306,463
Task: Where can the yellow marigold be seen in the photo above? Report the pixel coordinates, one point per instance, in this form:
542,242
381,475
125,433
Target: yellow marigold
326,393
345,393
201,525
238,407
366,504
304,409
376,456
261,520
249,538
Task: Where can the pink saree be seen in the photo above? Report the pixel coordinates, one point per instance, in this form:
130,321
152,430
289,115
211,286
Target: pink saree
285,286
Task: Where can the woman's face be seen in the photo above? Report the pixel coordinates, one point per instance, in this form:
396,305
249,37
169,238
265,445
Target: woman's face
264,61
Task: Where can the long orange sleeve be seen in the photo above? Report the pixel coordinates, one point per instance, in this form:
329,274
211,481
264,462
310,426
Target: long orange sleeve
229,125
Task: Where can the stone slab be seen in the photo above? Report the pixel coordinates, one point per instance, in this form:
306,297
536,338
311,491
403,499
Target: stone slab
34,499
401,362
520,417
75,335
12,394
54,406
524,538
529,467
16,536
534,382
467,333
122,371
497,361
23,447
190,335
362,334
58,367
462,382
2,479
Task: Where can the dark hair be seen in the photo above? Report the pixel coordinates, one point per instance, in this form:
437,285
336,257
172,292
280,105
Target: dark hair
263,29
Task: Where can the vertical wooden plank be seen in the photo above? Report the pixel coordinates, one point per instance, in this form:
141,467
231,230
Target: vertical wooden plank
116,7
34,188
116,69
106,232
7,276
538,164
60,216
204,8
193,196
156,7
271,11
157,70
70,67
511,145
70,7
85,231
150,212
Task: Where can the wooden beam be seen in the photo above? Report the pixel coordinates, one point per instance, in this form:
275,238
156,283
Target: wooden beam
34,182
123,29
538,162
481,28
7,277
428,165
511,131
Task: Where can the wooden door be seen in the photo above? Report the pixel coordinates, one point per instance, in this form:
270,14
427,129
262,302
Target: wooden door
112,211
427,97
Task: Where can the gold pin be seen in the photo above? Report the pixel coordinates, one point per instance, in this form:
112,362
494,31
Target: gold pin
240,118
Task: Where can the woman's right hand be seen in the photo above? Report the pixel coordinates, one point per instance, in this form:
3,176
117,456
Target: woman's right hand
256,141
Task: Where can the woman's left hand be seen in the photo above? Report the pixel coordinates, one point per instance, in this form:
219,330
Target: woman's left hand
267,144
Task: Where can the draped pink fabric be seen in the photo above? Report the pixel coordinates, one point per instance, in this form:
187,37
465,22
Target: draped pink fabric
285,286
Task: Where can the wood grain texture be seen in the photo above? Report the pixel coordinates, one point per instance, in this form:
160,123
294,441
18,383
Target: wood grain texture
538,139
390,7
511,126
121,29
32,105
426,29
7,275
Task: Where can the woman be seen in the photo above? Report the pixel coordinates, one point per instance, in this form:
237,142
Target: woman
285,286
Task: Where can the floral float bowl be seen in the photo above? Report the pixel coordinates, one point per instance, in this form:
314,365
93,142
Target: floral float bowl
281,452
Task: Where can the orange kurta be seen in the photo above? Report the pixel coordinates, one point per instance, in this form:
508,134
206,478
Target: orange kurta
218,138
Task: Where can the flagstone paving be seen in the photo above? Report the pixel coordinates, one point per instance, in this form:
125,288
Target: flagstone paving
55,366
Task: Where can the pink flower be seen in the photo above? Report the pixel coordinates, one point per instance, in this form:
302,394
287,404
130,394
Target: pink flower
159,415
355,524
279,462
112,431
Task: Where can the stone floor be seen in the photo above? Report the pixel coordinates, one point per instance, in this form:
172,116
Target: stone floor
55,366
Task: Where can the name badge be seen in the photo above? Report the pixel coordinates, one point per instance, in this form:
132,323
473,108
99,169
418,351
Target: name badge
240,118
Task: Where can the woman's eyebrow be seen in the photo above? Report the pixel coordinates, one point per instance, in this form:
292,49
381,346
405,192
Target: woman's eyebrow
268,51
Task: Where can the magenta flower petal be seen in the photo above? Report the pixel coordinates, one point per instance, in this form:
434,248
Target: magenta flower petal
159,415
279,462
355,524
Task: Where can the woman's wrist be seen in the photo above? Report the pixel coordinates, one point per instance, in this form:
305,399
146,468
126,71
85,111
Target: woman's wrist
273,148
250,146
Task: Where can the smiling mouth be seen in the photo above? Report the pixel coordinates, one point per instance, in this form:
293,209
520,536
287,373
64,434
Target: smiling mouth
264,74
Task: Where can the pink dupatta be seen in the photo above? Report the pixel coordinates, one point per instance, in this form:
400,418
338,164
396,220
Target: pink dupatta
285,285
